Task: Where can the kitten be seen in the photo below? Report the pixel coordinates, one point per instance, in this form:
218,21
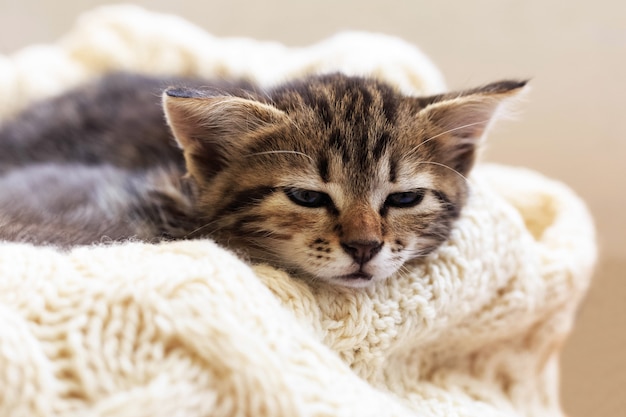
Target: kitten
339,178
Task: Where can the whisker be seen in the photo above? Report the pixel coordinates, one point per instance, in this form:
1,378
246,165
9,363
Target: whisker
204,226
279,152
296,126
450,131
447,167
403,272
258,257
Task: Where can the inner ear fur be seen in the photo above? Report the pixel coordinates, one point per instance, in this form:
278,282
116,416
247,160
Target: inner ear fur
212,130
457,122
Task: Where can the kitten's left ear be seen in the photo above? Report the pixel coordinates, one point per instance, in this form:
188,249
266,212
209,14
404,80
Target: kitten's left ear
456,122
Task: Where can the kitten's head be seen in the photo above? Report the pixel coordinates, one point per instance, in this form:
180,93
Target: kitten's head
341,178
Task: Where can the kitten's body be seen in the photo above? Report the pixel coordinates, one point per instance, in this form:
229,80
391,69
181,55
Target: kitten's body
339,177
76,204
97,164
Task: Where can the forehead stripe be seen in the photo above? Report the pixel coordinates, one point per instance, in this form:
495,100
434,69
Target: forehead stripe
322,167
381,144
393,169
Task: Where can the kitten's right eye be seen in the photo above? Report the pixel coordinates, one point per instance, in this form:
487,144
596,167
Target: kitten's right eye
307,198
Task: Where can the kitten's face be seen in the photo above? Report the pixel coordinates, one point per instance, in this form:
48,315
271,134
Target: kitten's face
340,178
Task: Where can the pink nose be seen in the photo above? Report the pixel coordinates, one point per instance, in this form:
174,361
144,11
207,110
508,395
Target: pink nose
362,251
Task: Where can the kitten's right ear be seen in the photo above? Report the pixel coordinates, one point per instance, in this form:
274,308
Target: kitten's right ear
460,120
212,130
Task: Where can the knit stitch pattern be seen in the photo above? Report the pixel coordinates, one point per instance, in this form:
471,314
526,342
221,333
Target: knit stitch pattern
188,329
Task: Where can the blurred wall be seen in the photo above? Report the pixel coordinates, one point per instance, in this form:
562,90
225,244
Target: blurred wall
571,126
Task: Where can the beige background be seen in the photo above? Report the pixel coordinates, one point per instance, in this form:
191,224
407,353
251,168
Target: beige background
572,127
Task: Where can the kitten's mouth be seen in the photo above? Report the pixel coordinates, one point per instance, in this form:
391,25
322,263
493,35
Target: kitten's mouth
357,276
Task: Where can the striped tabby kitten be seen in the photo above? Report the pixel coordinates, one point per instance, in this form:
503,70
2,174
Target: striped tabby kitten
339,178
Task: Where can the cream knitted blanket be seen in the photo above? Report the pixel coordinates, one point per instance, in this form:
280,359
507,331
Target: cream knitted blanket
187,329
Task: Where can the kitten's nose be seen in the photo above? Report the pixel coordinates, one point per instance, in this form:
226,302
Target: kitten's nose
362,251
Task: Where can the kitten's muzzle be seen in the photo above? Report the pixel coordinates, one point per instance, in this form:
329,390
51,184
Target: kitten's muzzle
362,251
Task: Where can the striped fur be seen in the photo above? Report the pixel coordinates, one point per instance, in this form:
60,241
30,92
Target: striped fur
357,141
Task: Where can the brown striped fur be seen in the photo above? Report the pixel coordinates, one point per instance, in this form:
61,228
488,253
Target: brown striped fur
347,145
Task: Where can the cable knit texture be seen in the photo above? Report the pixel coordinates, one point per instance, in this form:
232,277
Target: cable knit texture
187,329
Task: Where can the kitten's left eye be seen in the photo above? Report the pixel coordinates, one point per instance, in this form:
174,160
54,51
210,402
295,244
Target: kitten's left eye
307,198
405,199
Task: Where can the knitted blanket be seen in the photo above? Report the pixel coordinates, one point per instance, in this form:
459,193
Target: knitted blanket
187,329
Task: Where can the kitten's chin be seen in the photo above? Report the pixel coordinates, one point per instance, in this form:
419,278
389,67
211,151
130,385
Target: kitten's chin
355,280
352,281
359,278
